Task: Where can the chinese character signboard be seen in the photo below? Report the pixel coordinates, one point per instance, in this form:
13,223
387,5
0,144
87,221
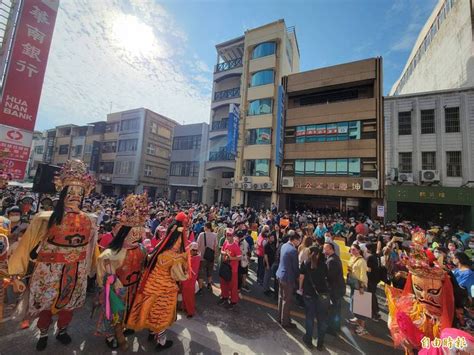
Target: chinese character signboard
17,143
233,129
381,211
29,55
280,127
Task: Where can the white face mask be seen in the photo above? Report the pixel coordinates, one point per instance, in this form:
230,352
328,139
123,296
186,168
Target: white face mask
15,219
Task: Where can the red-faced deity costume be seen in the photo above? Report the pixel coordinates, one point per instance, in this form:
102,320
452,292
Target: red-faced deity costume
66,239
426,305
119,268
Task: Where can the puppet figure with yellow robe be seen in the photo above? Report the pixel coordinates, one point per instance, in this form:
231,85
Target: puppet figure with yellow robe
154,307
119,268
426,305
64,240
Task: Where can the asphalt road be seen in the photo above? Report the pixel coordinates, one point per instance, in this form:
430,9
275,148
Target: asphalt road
250,328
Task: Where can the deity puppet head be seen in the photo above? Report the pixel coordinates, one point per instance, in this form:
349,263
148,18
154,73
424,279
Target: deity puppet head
428,281
74,183
134,215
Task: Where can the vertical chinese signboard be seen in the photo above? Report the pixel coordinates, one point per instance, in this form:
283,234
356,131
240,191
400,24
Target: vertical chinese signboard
233,129
280,134
25,74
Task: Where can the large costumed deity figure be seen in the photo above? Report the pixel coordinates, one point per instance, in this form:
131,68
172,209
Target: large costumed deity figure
154,307
426,305
66,238
119,268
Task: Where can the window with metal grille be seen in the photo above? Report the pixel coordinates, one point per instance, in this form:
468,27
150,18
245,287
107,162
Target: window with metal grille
428,160
404,162
427,121
451,115
404,123
453,164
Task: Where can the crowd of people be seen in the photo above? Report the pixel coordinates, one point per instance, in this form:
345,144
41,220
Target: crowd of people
137,254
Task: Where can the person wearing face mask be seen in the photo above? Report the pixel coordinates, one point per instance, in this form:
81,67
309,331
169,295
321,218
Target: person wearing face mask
18,227
463,273
470,250
231,254
118,271
66,239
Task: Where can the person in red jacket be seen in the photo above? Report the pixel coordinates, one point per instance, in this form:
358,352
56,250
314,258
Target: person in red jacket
231,253
188,287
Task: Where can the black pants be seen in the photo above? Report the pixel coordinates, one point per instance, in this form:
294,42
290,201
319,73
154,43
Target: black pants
372,288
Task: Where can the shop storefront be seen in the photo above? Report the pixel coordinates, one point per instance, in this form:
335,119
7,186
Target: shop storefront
441,205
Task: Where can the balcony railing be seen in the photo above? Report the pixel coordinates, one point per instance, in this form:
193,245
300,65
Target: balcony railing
219,125
231,64
223,155
227,94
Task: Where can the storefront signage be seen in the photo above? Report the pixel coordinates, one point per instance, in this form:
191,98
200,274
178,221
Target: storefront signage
309,185
233,129
381,211
27,67
280,134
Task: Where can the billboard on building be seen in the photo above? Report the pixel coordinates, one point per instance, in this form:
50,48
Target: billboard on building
233,129
16,142
280,134
27,65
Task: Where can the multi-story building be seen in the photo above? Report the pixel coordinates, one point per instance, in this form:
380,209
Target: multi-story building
443,55
333,151
429,155
187,168
220,164
92,145
135,153
37,151
270,52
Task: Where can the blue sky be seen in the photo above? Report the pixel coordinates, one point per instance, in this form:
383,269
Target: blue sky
160,54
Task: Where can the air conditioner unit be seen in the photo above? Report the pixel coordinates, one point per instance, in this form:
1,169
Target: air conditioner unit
267,185
246,179
429,175
405,177
236,185
393,174
246,186
288,182
257,186
370,184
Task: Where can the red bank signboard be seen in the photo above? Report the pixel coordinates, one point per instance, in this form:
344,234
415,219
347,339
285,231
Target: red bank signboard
29,56
17,143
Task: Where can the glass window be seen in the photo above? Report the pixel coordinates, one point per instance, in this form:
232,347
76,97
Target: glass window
452,119
106,167
331,166
264,49
260,107
151,149
453,164
341,166
299,167
427,121
259,136
311,135
109,147
404,162
320,167
262,77
300,134
187,142
428,160
39,149
257,167
331,132
129,125
148,170
354,130
320,133
309,168
164,132
188,168
342,131
354,166
128,145
63,149
404,123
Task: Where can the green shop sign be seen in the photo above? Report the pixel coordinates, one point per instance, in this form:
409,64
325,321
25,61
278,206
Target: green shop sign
431,194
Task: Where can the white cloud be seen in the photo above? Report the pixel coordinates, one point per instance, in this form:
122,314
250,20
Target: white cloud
129,53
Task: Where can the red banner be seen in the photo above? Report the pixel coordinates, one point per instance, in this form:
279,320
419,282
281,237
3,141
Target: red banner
25,75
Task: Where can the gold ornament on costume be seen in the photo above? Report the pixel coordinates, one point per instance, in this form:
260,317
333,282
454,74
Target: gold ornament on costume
418,262
75,173
135,210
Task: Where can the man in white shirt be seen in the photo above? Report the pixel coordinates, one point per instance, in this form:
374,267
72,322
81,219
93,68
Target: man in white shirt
206,239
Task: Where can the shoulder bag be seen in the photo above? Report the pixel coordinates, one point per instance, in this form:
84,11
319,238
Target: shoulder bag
208,252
